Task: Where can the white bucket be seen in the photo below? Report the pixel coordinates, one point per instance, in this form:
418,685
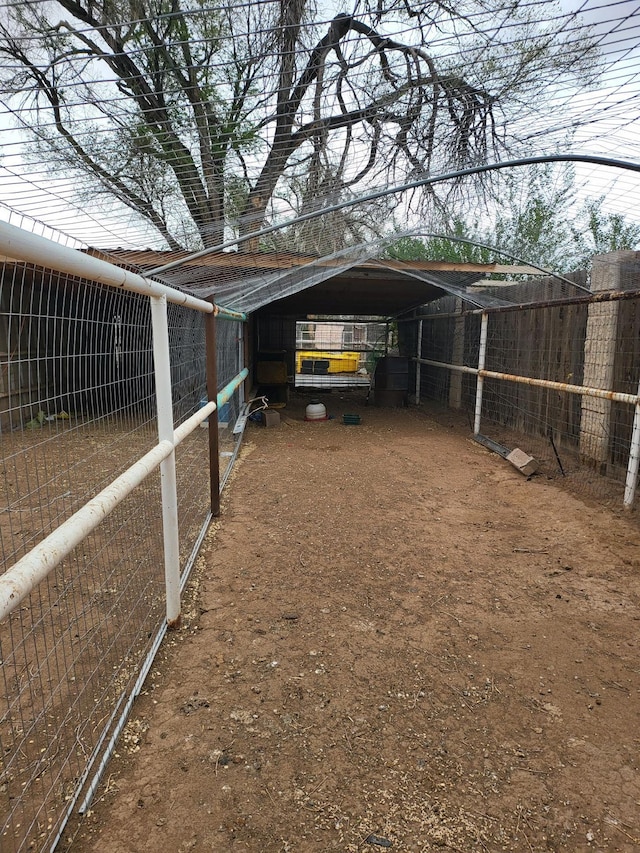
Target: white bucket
315,411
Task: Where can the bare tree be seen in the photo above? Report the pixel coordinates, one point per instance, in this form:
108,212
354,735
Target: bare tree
197,118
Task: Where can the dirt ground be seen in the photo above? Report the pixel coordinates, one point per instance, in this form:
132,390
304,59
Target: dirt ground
393,640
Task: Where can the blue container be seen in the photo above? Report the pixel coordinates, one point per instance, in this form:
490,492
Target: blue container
224,412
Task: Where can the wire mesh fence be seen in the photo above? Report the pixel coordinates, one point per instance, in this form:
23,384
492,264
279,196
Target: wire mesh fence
318,353
559,379
77,408
338,354
320,172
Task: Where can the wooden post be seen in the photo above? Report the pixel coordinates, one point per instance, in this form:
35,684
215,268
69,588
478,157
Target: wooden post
212,394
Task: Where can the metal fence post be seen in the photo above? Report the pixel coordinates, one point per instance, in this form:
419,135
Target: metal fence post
481,361
162,371
634,459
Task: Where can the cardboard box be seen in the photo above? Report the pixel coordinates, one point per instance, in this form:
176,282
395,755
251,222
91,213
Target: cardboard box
270,418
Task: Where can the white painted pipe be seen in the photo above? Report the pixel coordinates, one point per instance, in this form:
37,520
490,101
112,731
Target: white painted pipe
480,381
21,245
460,368
18,581
168,481
634,459
23,576
188,426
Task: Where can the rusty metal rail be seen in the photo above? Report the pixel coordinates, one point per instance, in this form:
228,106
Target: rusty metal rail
617,396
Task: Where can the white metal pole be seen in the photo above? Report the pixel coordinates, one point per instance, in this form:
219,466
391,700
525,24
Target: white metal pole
23,246
480,381
634,459
418,364
162,370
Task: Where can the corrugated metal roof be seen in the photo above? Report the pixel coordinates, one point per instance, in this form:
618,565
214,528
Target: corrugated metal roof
345,283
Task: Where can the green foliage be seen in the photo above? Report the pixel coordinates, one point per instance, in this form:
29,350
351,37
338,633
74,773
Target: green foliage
532,223
601,233
538,220
408,249
461,247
